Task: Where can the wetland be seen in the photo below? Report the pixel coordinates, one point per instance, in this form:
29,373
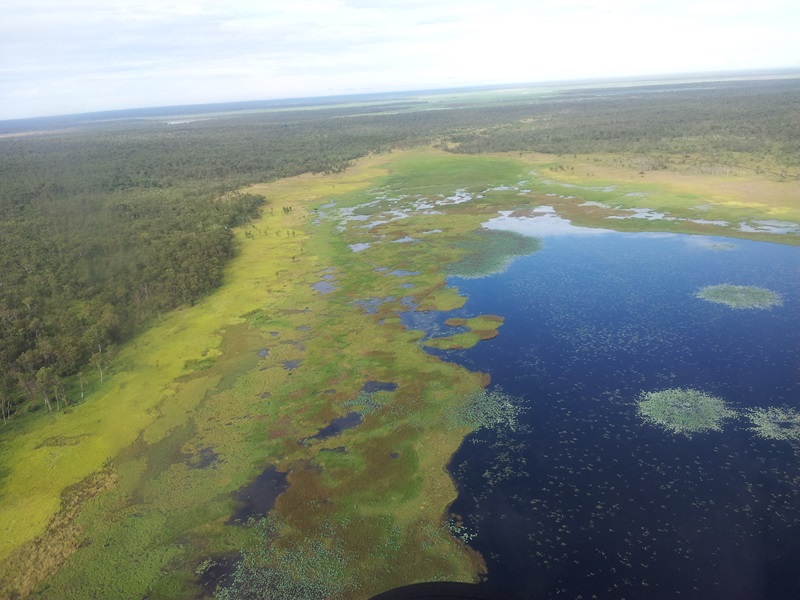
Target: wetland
545,372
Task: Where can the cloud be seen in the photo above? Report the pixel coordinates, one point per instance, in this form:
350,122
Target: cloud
68,55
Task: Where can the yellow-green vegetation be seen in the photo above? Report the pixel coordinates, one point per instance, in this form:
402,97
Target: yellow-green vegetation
203,402
692,197
130,492
480,328
685,411
740,296
776,423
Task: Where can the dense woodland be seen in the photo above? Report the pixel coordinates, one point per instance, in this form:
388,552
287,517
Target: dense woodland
104,224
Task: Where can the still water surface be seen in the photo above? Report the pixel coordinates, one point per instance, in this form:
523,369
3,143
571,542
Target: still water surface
586,500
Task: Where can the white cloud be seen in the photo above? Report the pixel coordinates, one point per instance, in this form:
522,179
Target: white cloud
68,56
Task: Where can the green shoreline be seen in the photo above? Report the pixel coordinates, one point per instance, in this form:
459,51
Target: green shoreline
198,384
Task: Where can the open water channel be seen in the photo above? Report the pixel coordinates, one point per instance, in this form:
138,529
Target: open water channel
584,499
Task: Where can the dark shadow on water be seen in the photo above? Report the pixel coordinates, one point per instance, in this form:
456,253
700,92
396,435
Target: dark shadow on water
218,572
337,426
258,498
378,386
203,460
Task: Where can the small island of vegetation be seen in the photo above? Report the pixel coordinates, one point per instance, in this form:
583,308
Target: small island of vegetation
740,296
684,411
775,423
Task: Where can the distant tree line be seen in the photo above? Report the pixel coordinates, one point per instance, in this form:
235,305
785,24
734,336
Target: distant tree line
716,121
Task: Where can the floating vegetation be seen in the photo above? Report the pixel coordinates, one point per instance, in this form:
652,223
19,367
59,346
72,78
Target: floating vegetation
366,403
740,296
488,409
458,530
684,411
490,251
776,423
308,571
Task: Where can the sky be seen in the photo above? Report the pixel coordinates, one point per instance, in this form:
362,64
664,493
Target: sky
72,56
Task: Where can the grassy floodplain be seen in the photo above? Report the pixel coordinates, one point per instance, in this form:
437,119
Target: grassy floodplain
684,194
131,492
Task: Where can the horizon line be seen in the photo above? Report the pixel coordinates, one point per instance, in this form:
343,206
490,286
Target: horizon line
312,100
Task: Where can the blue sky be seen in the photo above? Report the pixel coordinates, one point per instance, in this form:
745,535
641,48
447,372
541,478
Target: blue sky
69,56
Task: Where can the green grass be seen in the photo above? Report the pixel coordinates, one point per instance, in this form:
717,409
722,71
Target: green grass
432,173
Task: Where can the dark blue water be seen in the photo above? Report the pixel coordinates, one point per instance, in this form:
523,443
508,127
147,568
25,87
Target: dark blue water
587,501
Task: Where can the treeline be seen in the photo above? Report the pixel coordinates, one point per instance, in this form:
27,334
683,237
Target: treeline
103,228
717,121
105,225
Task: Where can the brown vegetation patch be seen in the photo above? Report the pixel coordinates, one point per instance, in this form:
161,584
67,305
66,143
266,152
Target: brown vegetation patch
378,354
41,557
455,322
486,334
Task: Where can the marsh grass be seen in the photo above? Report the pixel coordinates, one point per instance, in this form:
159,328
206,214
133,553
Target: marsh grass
684,411
480,328
313,569
740,296
776,423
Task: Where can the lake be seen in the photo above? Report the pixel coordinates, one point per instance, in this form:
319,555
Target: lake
586,500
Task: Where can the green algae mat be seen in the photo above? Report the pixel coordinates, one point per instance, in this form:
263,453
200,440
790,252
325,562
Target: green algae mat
288,435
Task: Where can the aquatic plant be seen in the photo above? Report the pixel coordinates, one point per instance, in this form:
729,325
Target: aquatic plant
684,411
489,409
740,296
490,251
776,423
366,403
308,571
